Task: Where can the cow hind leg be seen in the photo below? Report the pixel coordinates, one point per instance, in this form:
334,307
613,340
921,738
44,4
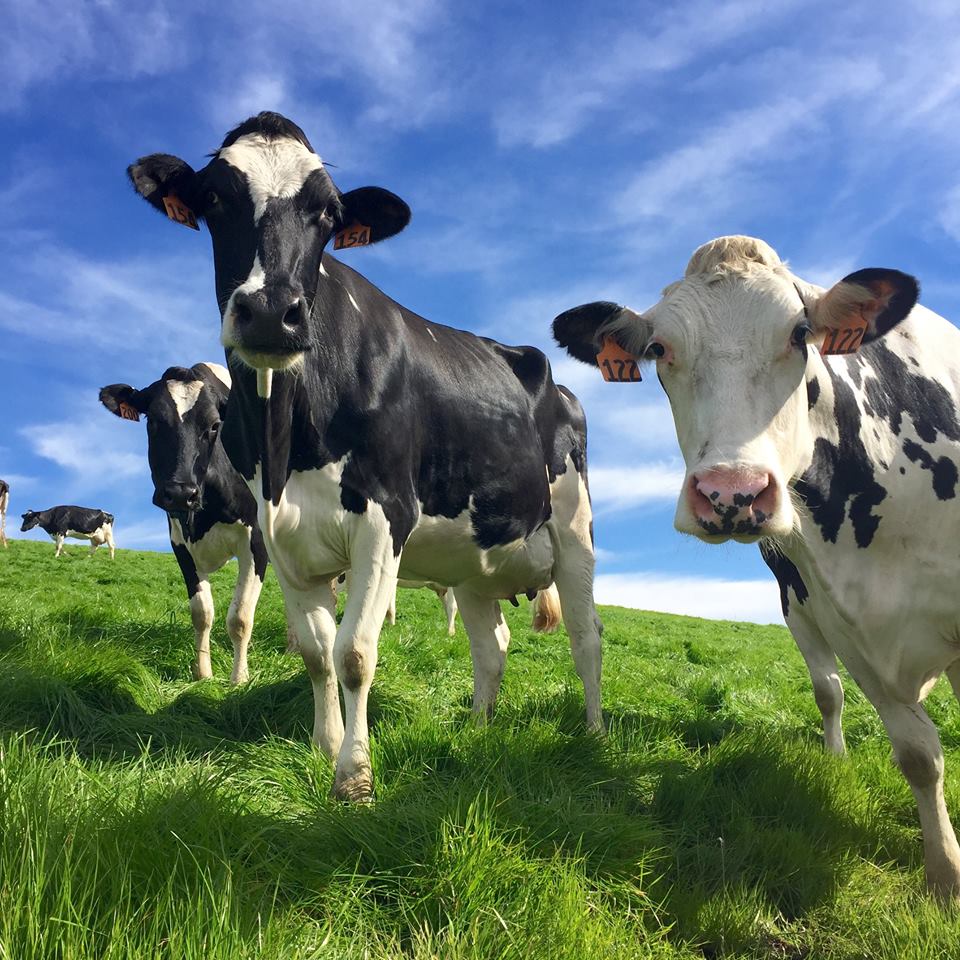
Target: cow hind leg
201,613
489,638
916,745
312,626
59,542
392,608
450,608
110,543
953,675
827,688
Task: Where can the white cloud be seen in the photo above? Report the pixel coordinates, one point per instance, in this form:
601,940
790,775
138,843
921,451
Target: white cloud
621,488
757,601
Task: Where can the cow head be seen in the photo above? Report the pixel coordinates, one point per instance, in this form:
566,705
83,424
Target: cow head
733,342
271,208
30,519
183,411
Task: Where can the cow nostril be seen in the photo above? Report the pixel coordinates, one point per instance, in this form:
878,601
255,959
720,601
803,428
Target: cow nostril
293,316
241,312
765,502
701,501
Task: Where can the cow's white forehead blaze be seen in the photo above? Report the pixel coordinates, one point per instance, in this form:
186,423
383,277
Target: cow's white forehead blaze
185,395
274,167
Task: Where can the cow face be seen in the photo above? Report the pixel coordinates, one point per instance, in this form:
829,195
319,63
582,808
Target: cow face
30,519
183,411
733,342
271,207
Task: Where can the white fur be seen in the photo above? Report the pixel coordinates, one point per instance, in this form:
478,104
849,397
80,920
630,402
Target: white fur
102,535
185,395
220,372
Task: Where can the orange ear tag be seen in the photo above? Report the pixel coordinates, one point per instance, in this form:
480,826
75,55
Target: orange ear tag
616,365
356,235
844,340
127,412
179,212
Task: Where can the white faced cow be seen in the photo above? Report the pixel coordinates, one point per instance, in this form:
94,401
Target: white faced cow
4,503
211,513
376,440
844,467
77,523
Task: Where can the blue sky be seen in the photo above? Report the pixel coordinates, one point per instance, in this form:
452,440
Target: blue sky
552,153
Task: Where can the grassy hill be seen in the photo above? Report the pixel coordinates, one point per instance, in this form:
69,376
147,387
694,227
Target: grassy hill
145,815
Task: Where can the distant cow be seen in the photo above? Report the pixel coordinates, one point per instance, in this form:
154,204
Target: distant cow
78,523
375,440
4,503
844,465
211,514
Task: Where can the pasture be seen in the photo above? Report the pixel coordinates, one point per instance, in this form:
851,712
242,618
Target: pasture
146,815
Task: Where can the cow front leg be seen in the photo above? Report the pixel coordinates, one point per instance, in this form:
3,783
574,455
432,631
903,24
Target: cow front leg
201,613
58,540
373,581
916,745
312,620
489,638
243,606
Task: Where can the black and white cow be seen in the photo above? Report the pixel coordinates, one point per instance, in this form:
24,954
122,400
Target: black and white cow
843,465
4,503
211,514
78,523
376,440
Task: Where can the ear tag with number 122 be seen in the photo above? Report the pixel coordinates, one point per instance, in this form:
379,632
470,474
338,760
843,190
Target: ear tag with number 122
844,340
616,364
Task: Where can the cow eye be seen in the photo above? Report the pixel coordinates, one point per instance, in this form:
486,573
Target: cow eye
656,351
212,198
800,333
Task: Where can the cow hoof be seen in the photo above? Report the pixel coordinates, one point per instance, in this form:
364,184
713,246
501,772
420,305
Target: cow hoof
355,789
237,679
944,887
199,674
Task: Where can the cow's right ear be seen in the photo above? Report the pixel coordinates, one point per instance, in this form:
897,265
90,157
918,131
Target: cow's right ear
582,330
122,400
161,176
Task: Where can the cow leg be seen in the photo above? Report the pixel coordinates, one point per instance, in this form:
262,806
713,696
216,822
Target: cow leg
58,539
827,688
392,608
312,620
373,581
489,638
110,543
953,675
243,606
916,745
450,606
3,518
201,613
93,547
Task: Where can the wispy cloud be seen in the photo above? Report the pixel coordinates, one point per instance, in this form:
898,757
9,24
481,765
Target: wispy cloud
757,601
626,487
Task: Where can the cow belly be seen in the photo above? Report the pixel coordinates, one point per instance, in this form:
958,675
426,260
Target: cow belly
441,550
222,542
96,536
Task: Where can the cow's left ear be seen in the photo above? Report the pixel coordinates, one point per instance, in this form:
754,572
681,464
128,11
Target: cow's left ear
876,297
162,175
581,330
380,210
123,401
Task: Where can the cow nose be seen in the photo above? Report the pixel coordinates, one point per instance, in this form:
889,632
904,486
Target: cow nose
179,496
733,500
261,316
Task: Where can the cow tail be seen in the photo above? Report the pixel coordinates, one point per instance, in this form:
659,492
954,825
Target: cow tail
546,610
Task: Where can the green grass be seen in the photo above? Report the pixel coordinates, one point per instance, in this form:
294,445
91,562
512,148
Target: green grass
145,815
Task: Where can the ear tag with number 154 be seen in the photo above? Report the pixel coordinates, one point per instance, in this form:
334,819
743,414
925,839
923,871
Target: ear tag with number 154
616,364
179,212
356,235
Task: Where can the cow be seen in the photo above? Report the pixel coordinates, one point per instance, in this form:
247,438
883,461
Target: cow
4,503
78,523
376,440
843,465
211,515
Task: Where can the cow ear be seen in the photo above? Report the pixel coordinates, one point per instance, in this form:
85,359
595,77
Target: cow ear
380,210
876,299
123,401
582,330
161,176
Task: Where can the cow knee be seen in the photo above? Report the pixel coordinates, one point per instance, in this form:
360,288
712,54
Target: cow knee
920,766
828,695
239,625
354,669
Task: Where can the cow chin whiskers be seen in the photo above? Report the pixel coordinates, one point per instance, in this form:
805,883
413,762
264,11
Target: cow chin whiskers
257,360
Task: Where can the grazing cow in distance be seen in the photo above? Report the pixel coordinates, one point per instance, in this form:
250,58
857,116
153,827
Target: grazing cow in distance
375,440
78,523
211,514
4,503
841,462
